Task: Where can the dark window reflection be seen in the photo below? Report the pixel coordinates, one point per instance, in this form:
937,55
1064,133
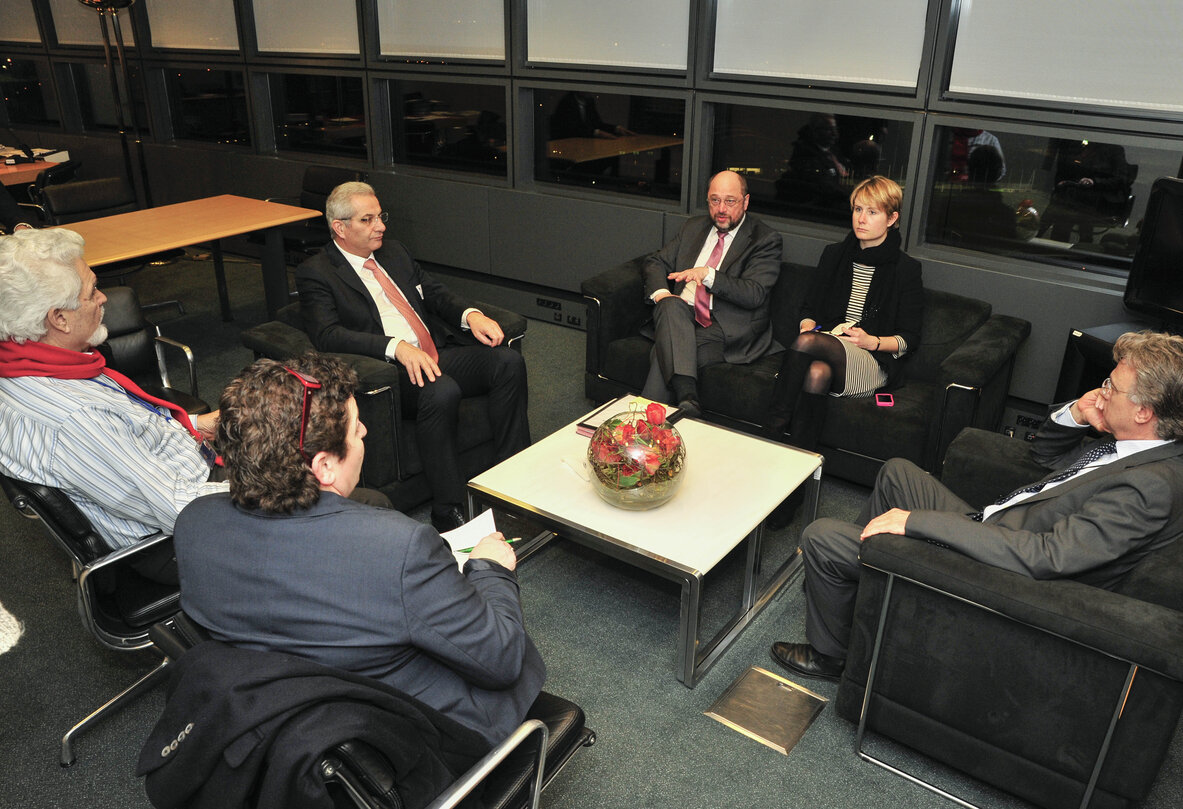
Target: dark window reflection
96,100
1057,199
456,126
631,144
208,105
28,91
321,114
804,165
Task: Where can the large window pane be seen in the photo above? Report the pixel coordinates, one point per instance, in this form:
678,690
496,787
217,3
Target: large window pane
621,33
322,114
306,26
445,29
450,125
20,25
1054,199
28,91
96,102
76,24
802,164
631,144
827,40
208,25
208,105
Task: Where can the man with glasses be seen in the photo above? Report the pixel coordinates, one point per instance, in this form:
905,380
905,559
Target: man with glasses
128,461
364,294
1108,503
711,288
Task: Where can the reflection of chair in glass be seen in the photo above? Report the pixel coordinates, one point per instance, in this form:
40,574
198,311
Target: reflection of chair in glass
116,603
1092,190
56,174
977,214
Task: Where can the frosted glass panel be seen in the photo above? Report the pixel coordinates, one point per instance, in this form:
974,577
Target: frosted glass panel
467,29
78,25
821,40
1083,51
208,25
622,33
19,23
306,26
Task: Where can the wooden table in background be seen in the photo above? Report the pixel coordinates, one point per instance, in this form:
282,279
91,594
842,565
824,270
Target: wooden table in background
154,230
22,173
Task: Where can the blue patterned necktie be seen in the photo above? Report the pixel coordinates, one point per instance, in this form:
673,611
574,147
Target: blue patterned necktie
1092,456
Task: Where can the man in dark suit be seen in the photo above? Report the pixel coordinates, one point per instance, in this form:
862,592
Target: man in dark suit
1109,503
710,288
361,295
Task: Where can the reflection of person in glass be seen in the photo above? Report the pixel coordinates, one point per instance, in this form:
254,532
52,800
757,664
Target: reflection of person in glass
1092,189
861,315
816,171
576,116
964,142
977,213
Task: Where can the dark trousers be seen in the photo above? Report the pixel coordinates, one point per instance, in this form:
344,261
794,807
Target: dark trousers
500,374
831,549
680,346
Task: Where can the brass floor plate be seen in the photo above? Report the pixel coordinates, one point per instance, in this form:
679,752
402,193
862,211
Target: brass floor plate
768,708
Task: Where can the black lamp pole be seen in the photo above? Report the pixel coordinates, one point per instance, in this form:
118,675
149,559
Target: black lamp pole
112,8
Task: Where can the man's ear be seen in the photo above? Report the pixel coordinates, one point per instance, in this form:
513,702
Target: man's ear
324,469
338,228
56,320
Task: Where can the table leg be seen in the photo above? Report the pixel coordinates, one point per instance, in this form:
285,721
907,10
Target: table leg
220,277
275,272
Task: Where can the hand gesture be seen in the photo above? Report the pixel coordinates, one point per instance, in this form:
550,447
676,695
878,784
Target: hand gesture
692,274
495,549
860,338
421,368
1085,410
889,522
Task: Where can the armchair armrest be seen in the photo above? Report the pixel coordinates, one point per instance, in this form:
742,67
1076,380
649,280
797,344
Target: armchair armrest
513,324
162,341
1115,624
615,307
975,362
276,340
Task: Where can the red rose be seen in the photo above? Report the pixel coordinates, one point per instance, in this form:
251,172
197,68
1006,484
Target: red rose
655,413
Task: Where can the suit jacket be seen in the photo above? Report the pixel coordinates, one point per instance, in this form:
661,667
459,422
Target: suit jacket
743,284
895,301
341,316
366,590
1093,527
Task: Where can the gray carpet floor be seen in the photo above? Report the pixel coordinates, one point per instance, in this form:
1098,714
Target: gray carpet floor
606,631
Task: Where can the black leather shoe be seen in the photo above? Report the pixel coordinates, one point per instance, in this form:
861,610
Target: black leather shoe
690,408
447,518
801,658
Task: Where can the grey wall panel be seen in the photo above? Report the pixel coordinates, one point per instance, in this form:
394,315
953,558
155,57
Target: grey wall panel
439,221
559,241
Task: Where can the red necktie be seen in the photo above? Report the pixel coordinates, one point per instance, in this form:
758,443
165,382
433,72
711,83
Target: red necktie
702,298
404,308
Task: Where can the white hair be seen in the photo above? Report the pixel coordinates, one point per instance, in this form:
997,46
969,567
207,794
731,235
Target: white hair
339,204
37,274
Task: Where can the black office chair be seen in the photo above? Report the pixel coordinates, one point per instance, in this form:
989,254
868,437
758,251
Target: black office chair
117,604
306,238
56,174
135,348
357,775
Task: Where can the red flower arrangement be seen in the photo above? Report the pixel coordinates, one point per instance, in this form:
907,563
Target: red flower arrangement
637,458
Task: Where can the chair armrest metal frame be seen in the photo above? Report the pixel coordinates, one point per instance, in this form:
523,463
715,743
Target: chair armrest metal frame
162,341
453,795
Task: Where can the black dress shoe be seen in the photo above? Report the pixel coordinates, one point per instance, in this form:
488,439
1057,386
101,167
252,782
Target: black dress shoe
801,658
447,518
690,408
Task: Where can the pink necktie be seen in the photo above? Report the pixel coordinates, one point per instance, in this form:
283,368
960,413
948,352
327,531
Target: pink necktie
702,298
404,309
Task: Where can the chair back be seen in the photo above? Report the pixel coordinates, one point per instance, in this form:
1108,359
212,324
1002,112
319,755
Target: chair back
88,199
131,340
319,182
56,174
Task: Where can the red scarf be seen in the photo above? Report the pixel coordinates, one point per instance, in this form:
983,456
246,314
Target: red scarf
41,359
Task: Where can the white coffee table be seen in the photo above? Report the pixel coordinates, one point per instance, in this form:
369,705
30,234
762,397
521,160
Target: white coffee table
732,482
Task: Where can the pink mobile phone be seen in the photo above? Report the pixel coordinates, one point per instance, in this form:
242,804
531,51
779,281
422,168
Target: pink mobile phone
884,400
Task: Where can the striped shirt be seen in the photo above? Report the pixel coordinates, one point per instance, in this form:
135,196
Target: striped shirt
126,466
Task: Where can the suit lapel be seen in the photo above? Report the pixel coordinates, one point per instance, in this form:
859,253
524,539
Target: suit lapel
693,246
349,277
739,245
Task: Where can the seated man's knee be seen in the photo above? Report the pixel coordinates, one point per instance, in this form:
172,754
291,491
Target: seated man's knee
509,365
894,469
441,396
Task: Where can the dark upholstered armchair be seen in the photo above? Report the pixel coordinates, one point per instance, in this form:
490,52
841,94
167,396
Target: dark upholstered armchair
957,377
392,463
1061,693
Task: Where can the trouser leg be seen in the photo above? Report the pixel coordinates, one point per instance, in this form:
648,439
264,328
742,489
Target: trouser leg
903,484
830,550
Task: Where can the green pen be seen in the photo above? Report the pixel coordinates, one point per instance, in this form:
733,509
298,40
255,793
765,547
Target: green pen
508,542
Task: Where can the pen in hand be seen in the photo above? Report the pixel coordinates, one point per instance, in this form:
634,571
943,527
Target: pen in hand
507,542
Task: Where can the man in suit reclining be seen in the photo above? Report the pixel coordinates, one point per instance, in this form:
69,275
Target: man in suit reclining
364,294
1108,504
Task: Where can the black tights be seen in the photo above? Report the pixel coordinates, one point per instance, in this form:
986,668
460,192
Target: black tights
814,365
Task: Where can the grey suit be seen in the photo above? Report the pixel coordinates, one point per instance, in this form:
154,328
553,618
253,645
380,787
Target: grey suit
1093,527
740,330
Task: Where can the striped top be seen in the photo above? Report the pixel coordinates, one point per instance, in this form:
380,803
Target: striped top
129,469
860,285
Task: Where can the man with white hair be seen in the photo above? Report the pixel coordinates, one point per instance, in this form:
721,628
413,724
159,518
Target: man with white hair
128,461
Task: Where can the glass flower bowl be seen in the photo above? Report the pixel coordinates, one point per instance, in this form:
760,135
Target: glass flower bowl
636,458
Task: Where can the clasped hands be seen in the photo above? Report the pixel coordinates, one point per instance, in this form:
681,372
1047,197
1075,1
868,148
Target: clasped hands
421,368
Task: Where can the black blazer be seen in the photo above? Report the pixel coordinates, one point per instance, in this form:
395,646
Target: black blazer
339,314
895,302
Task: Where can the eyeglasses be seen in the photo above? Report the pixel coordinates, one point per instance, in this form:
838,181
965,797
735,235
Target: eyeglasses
310,384
1108,389
726,202
368,219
